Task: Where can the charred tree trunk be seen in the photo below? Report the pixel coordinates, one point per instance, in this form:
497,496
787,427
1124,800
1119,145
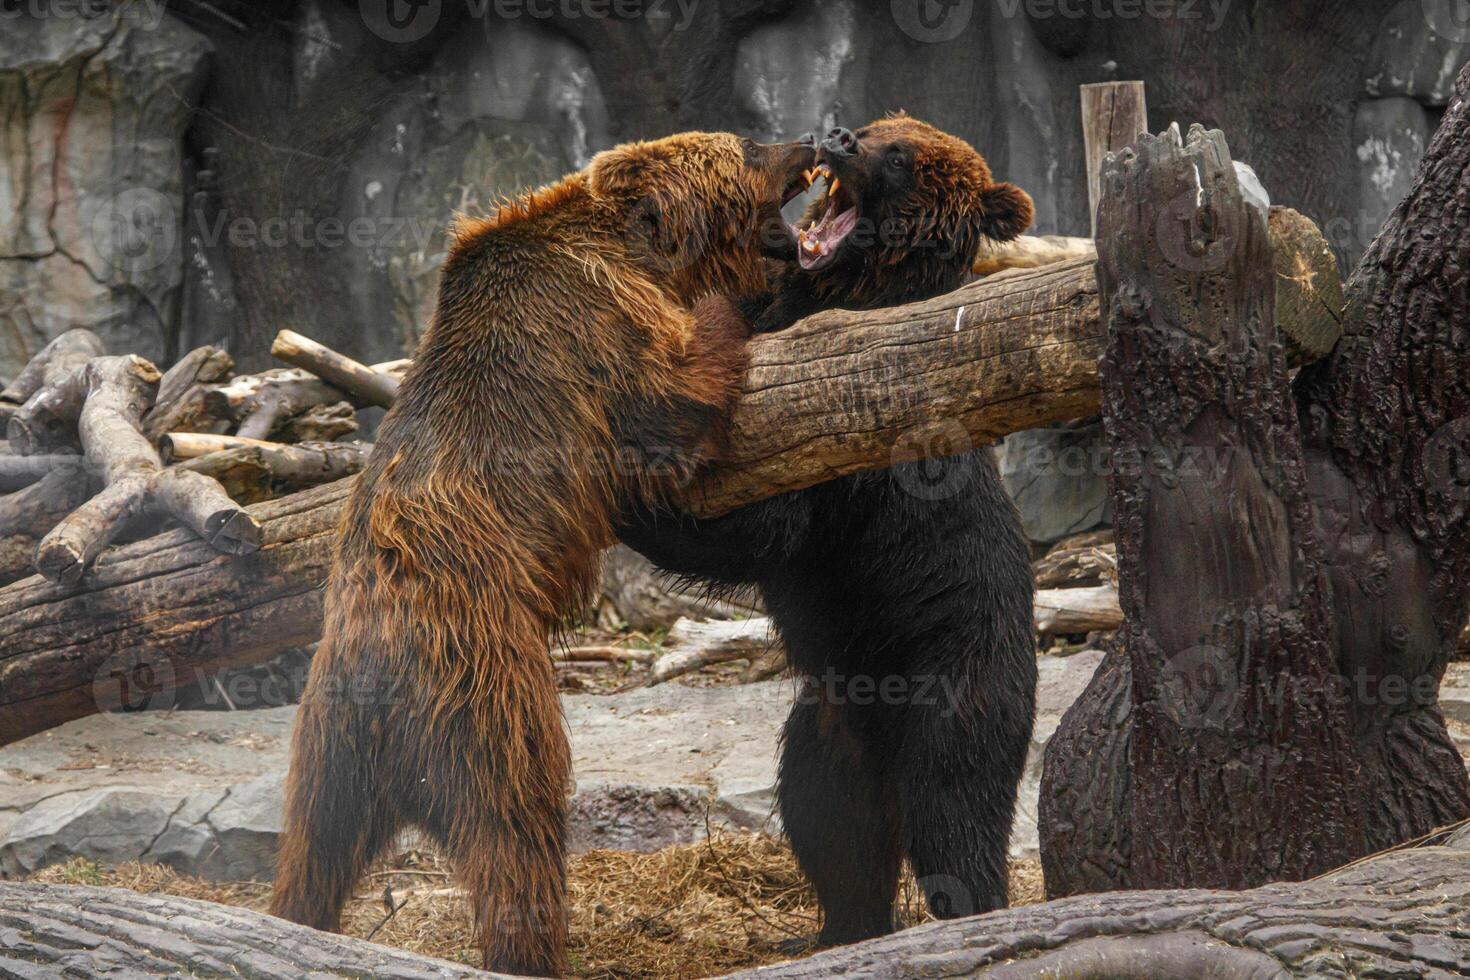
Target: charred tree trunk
1386,422
1271,709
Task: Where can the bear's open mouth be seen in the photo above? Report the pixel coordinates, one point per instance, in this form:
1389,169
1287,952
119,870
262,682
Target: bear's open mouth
817,244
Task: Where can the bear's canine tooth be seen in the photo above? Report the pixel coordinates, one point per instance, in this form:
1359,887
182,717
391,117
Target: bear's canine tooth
832,187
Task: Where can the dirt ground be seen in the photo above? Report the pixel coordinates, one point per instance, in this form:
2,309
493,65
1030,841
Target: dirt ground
687,911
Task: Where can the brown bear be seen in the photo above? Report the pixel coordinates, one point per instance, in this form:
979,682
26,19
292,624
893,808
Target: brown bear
575,364
903,596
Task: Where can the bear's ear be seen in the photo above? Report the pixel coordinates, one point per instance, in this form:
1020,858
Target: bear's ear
1005,212
625,169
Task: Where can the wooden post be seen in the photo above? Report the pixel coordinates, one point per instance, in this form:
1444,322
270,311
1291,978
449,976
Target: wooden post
1113,115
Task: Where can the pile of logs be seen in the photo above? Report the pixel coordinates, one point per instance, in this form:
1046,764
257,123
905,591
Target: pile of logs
98,444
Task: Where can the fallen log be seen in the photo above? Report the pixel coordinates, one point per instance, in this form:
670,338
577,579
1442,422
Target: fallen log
837,393
180,402
18,472
1071,567
52,363
260,402
78,931
694,645
365,383
154,610
1402,914
176,446
1081,610
252,473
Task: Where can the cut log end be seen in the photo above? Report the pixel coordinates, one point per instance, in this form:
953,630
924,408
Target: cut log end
233,532
61,561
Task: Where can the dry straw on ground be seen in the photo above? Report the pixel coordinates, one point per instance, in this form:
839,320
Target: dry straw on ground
688,911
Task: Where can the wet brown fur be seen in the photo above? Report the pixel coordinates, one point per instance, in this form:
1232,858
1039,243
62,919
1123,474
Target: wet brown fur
562,362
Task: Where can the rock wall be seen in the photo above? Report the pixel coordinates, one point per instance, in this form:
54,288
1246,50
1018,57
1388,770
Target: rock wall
92,117
173,173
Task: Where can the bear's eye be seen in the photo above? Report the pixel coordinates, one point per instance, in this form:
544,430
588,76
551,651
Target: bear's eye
897,161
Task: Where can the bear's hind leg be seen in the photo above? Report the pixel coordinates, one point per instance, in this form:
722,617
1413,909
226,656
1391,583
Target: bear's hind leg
842,823
958,774
497,804
337,811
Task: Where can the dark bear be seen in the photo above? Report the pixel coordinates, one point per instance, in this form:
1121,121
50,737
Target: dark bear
917,578
575,364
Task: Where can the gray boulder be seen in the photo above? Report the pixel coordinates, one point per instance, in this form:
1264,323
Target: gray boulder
1058,479
1419,50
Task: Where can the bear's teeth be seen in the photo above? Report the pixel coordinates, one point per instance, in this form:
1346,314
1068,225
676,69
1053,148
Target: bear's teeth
832,187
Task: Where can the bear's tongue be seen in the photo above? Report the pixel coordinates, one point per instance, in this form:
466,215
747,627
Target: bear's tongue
817,244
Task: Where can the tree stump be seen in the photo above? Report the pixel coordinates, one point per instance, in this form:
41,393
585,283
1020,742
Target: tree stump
1294,559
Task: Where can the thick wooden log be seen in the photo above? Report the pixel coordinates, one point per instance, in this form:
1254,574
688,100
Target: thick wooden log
253,473
153,610
1084,609
370,386
52,363
693,645
1405,914
78,931
835,394
844,391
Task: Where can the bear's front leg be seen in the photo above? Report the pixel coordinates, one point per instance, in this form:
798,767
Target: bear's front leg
675,425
